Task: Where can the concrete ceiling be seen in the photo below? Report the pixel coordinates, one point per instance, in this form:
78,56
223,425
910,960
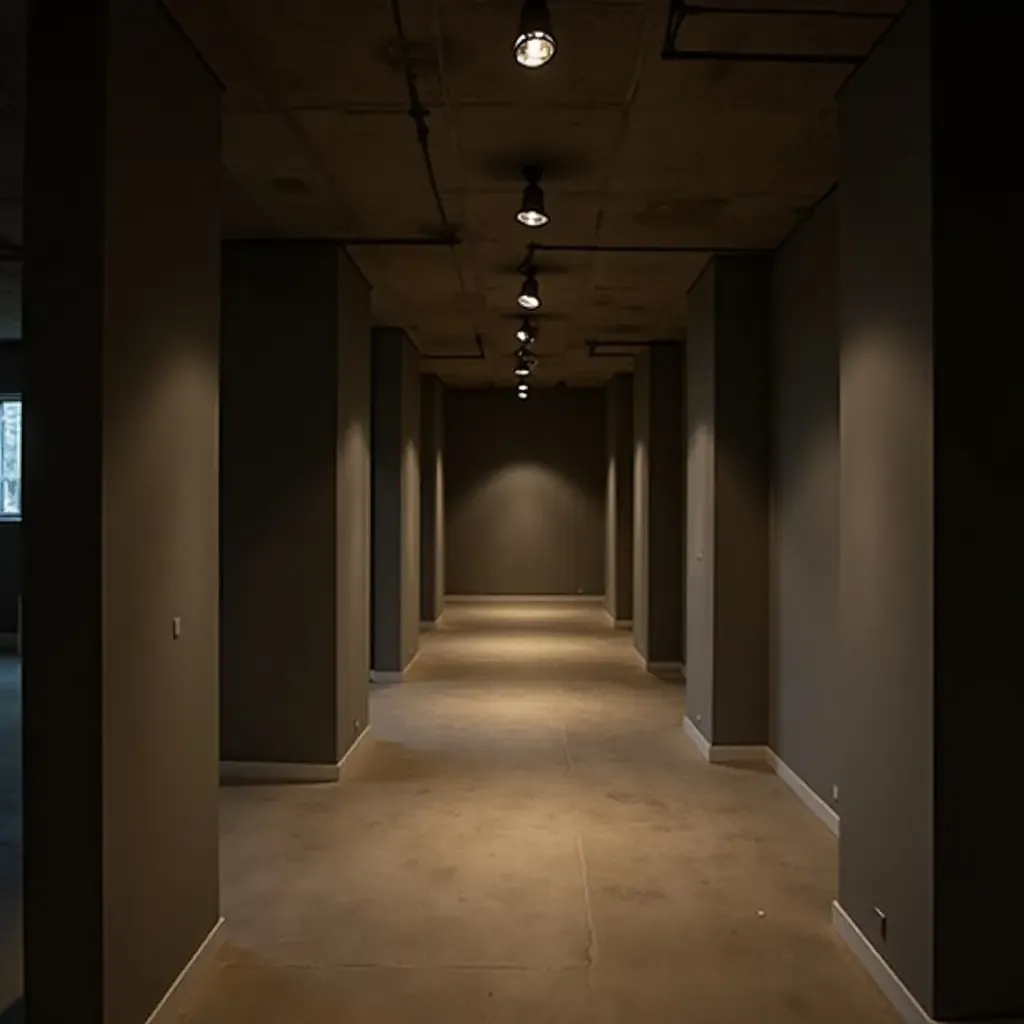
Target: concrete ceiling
637,151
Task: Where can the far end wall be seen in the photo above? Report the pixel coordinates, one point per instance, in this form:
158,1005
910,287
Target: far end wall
525,491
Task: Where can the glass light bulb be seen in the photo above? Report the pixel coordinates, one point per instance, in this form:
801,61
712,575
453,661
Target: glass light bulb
532,218
522,371
535,49
529,301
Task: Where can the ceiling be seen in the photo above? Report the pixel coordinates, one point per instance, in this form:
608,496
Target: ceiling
637,151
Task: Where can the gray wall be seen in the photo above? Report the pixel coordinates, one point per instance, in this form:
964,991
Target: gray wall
121,397
886,494
728,361
525,491
432,539
618,552
293,502
659,503
805,501
396,501
931,547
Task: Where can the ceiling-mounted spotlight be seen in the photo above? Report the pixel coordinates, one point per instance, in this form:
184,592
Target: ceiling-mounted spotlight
529,294
523,391
535,44
526,335
522,368
531,211
524,355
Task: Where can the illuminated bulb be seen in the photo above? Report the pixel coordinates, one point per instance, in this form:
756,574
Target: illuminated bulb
529,294
531,210
525,335
535,44
522,370
535,49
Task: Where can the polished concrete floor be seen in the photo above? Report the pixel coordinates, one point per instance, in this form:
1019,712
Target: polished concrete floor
527,835
10,834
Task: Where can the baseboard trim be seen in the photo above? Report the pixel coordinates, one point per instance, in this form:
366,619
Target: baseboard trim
623,623
874,963
524,598
699,740
283,771
665,666
428,625
811,800
276,772
377,676
721,753
177,998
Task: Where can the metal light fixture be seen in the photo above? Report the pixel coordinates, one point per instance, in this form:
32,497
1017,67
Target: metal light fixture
522,368
529,293
525,335
531,211
535,45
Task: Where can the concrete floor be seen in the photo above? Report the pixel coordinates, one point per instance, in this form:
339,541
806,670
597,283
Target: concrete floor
528,836
10,834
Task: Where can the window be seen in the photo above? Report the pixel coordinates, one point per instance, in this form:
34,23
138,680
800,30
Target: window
10,458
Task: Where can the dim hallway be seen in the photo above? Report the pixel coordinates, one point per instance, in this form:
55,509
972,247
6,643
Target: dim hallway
526,834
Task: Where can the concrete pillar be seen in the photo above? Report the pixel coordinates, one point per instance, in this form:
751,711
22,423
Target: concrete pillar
396,504
931,550
294,509
727,580
658,509
122,248
432,522
618,559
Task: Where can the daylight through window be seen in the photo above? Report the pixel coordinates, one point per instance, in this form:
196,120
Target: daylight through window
10,458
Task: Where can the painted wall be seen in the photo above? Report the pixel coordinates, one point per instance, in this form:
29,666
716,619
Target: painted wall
659,503
886,494
120,531
930,542
395,567
432,540
618,554
805,501
293,501
728,362
525,491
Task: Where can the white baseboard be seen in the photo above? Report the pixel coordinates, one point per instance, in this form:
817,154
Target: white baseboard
721,753
178,997
524,598
700,741
807,796
276,771
654,667
884,976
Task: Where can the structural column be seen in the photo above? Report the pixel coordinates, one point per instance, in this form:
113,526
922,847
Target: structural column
396,504
122,247
432,521
728,505
295,508
931,549
618,558
658,509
